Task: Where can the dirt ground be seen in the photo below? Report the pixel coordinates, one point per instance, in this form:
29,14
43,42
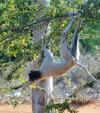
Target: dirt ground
26,108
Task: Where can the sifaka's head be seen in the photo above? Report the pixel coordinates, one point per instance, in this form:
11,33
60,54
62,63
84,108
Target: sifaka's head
34,75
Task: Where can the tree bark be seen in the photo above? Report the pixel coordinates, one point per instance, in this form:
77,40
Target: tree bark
40,98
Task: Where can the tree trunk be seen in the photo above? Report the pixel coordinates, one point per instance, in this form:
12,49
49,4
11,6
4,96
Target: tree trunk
40,98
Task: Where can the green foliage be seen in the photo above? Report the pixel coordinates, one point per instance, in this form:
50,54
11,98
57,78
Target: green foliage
61,107
91,45
14,102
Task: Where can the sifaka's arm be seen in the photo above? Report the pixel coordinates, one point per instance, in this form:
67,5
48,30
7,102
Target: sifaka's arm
64,50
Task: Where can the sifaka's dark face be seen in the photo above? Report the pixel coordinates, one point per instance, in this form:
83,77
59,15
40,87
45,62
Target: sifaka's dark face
34,75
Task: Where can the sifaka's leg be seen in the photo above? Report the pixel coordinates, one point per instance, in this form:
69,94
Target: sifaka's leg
75,43
75,51
64,50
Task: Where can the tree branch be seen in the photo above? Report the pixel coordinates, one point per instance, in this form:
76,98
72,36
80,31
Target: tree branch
43,19
48,19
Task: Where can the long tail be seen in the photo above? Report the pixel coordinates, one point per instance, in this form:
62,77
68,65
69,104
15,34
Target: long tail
88,83
85,69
